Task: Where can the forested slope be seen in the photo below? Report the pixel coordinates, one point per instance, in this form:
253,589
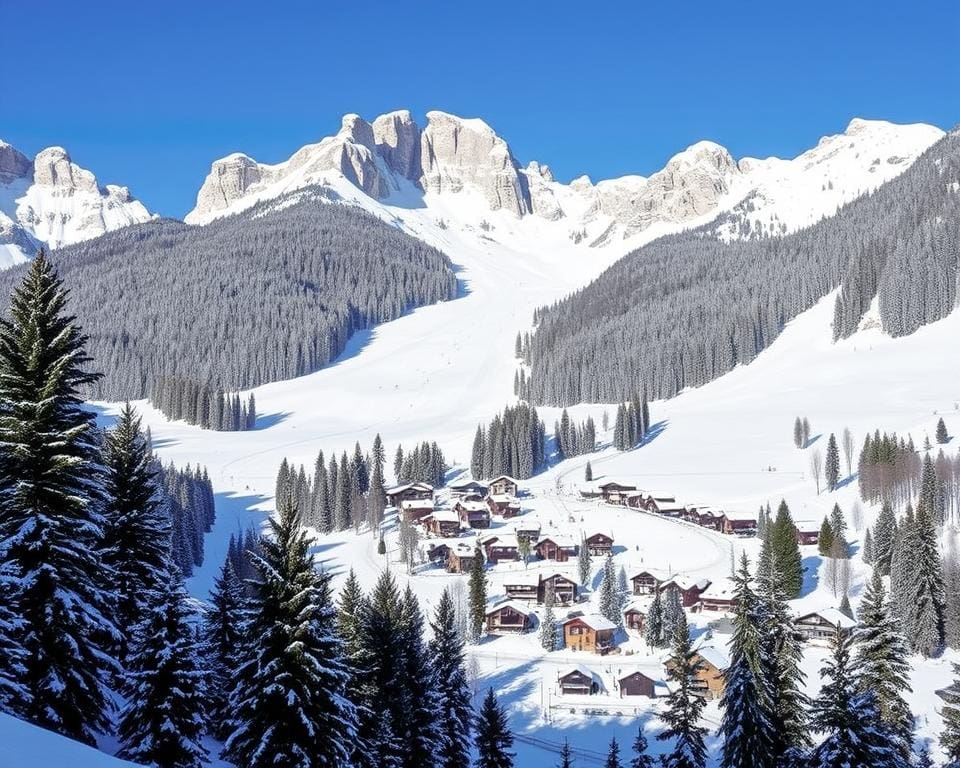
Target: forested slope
690,307
266,295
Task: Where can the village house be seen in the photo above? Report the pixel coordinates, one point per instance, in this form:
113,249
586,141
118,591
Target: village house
667,508
408,492
564,588
821,626
442,522
808,532
614,492
739,526
460,559
577,681
633,499
499,547
634,617
689,588
467,488
528,529
647,582
637,684
557,548
438,554
508,617
522,585
713,662
590,632
504,486
599,544
717,598
473,514
503,505
710,518
659,502
414,510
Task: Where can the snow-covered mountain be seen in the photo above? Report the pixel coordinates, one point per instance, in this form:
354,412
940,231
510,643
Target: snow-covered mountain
52,201
393,160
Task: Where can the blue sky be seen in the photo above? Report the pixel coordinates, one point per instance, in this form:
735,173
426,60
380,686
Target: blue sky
148,94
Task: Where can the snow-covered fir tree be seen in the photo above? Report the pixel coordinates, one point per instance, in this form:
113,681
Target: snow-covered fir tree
609,597
653,624
584,564
681,717
51,522
477,596
137,533
224,635
613,755
782,542
884,531
548,623
926,596
641,757
281,698
950,737
831,465
455,712
420,727
493,738
163,721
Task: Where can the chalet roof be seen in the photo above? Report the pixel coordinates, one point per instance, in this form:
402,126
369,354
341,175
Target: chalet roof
661,496
504,498
670,506
593,620
501,540
833,617
547,575
564,542
686,582
462,550
406,486
462,484
472,506
623,677
444,516
713,655
521,579
577,669
635,606
658,574
722,589
599,533
505,477
626,485
527,524
514,604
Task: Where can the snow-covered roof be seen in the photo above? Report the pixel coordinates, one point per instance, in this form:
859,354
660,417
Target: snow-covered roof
593,620
657,573
685,582
832,616
564,542
444,516
416,504
501,540
545,575
472,506
504,498
465,484
714,655
406,486
521,579
722,589
505,477
576,669
463,550
514,604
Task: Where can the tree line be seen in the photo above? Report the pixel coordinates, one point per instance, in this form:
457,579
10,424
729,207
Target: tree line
203,405
513,443
687,308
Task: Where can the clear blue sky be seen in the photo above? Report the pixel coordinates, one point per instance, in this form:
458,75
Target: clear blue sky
148,94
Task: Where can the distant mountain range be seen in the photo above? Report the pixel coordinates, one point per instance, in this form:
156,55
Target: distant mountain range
468,174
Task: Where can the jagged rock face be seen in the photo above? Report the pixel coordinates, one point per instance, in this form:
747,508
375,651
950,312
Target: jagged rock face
456,152
228,180
52,168
543,200
397,139
13,163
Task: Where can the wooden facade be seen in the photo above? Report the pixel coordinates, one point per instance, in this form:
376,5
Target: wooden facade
555,548
709,677
409,492
504,486
645,583
808,536
614,492
522,586
593,634
468,488
445,524
637,684
499,549
821,626
599,544
415,510
460,559
739,526
473,514
688,589
503,505
508,618
577,681
634,618
564,589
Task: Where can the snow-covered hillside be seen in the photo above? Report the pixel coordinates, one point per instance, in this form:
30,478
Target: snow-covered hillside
393,160
52,201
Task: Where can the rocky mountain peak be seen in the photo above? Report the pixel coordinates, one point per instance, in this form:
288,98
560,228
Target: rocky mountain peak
13,163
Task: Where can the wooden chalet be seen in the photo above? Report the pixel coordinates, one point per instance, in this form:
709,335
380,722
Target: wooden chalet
408,492
528,529
717,598
473,514
468,488
564,588
710,518
508,617
635,617
414,510
522,585
591,633
661,502
634,499
577,681
712,662
822,626
503,505
647,582
739,526
637,684
614,492
504,486
689,589
808,533
557,548
438,554
442,522
460,559
499,547
599,544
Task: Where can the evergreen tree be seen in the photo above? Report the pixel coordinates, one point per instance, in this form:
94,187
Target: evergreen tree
746,727
566,757
825,539
838,527
493,738
867,553
420,728
926,594
798,432
684,708
855,734
613,755
224,642
282,697
653,624
641,759
453,689
588,472
883,535
609,600
674,619
584,565
942,436
137,534
882,663
477,597
786,551
831,467
548,624
163,723
51,526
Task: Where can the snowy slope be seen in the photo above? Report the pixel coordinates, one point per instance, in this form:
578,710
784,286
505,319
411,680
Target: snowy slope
27,746
51,200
